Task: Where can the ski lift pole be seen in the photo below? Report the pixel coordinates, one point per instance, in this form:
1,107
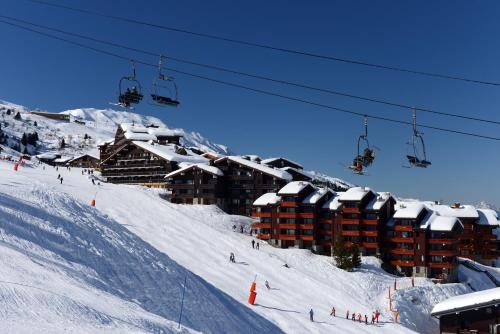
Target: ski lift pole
366,126
414,121
182,300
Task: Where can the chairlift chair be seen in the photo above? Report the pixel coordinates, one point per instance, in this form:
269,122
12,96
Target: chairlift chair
365,156
129,90
158,91
415,157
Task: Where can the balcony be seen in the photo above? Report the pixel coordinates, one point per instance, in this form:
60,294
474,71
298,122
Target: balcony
370,222
441,241
369,244
350,222
288,215
351,233
285,203
305,237
309,215
402,251
287,237
403,228
400,239
264,236
441,265
261,214
350,210
442,252
306,226
369,233
261,225
401,263
288,226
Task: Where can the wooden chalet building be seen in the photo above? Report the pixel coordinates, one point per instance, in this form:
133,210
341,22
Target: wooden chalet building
197,184
472,313
143,155
84,161
281,163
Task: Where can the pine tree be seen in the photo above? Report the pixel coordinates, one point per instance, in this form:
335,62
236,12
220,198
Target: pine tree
8,111
355,256
18,116
342,254
35,124
63,143
24,139
86,136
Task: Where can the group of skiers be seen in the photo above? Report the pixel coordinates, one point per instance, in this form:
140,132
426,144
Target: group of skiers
255,245
241,228
60,178
359,317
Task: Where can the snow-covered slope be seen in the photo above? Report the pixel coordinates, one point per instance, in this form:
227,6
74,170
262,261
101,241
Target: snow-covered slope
56,228
67,267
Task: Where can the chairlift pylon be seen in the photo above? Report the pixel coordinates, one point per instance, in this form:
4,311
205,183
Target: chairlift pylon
365,153
417,158
129,90
158,91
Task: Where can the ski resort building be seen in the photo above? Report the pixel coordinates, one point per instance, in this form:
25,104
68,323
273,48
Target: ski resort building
84,161
143,155
477,312
413,239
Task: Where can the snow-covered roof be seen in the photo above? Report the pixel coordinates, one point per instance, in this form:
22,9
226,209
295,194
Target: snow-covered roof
63,159
464,211
267,199
379,201
209,169
252,157
316,195
129,127
167,152
299,171
139,136
271,160
467,301
488,217
333,203
445,224
264,169
293,188
47,156
354,194
106,142
164,132
83,155
408,210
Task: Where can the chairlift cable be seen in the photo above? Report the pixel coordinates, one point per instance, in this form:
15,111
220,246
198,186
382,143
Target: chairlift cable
260,77
256,90
270,47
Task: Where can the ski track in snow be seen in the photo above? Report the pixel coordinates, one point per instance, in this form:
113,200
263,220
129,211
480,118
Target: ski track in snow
99,249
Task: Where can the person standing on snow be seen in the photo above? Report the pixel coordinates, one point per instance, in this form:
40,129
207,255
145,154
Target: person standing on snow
257,246
311,315
373,319
347,315
333,311
61,179
231,258
353,317
253,244
268,286
359,317
366,320
58,176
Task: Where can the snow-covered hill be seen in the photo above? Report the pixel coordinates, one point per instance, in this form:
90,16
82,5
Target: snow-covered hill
85,130
121,264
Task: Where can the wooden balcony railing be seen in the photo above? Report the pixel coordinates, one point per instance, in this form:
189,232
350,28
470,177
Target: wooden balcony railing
351,233
402,263
442,252
402,251
443,265
287,237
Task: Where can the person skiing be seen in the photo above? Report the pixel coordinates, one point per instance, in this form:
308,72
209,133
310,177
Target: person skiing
267,286
366,320
347,315
234,228
241,228
61,179
353,317
93,182
286,265
253,244
257,246
359,317
377,313
231,257
333,311
58,176
373,319
311,315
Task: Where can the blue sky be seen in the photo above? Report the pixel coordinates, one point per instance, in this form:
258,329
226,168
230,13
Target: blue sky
457,38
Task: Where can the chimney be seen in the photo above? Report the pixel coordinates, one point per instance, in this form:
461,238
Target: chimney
456,205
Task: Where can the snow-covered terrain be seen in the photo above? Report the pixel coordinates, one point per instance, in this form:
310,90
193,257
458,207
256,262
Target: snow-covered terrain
98,125
84,262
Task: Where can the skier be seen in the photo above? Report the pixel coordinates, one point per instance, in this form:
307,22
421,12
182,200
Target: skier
359,317
267,286
58,176
377,313
347,315
366,320
311,315
373,319
257,245
333,311
61,179
286,265
241,228
353,318
231,257
253,244
93,182
234,228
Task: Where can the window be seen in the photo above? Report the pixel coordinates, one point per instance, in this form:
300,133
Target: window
371,216
351,216
235,201
327,237
417,270
351,204
289,199
307,232
287,221
288,209
327,226
308,221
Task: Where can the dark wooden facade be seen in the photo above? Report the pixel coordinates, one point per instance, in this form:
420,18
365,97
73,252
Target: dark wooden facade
281,163
84,161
